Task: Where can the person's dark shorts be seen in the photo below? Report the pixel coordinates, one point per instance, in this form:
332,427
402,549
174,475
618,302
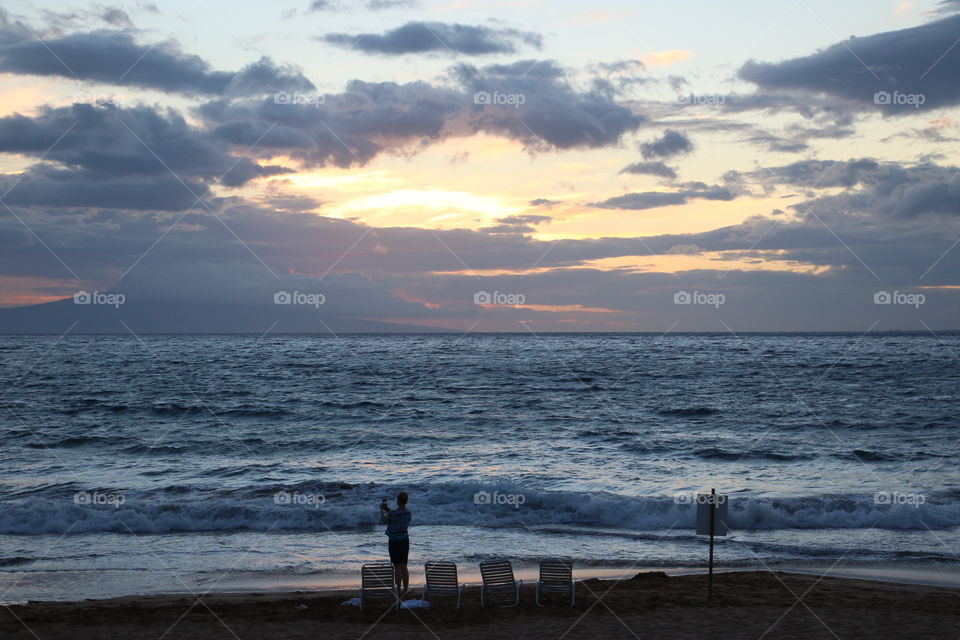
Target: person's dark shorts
399,550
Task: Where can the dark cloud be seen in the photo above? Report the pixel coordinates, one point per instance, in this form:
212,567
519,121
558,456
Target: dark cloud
543,202
832,131
777,143
111,141
618,67
891,192
242,170
265,76
379,5
935,133
11,30
619,76
47,186
517,224
822,122
813,173
672,143
372,5
803,103
437,37
116,17
264,135
553,114
874,70
654,199
948,6
650,169
346,129
112,57
367,119
677,83
106,154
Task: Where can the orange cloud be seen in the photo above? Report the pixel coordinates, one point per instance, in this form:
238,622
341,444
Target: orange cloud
665,58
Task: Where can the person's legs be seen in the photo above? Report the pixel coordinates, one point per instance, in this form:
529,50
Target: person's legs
396,558
403,554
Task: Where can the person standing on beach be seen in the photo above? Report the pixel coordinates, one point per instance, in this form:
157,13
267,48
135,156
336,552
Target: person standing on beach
398,539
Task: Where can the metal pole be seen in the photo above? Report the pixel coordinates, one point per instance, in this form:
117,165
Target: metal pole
713,511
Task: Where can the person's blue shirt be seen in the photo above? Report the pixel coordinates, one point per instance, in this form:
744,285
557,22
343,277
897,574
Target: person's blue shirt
397,523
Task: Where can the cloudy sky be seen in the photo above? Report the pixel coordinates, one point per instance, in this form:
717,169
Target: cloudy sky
481,165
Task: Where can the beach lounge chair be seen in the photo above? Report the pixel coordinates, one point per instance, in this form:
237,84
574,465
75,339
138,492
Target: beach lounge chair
376,583
499,586
441,581
556,576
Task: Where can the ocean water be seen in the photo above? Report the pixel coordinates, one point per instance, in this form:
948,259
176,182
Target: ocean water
192,463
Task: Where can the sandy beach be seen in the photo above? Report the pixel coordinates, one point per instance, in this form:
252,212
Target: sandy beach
747,605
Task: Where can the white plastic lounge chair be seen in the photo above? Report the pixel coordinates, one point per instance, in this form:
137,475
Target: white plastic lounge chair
376,583
556,576
442,581
499,585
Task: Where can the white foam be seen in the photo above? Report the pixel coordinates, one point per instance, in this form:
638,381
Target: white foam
454,503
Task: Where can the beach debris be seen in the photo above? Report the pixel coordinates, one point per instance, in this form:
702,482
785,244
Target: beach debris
415,604
352,602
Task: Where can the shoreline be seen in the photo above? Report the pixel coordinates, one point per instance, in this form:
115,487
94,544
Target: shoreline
746,604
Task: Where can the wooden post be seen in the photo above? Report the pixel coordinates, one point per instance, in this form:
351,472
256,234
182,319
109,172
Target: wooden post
713,517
